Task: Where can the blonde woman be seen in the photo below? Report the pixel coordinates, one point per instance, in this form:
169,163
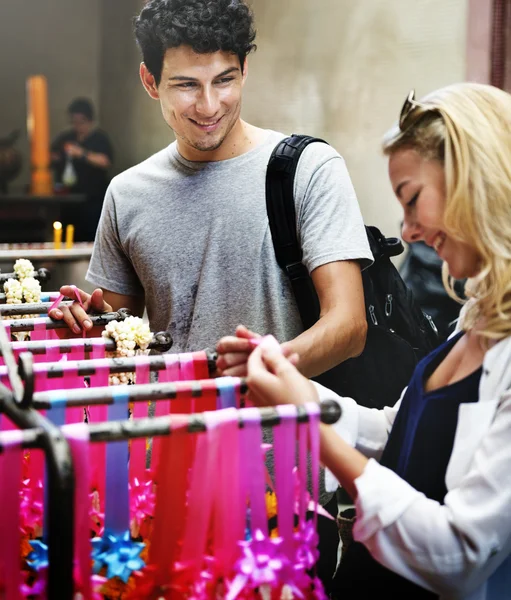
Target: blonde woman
431,477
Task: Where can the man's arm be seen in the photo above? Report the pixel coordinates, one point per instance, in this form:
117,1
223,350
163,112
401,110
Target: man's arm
340,332
338,335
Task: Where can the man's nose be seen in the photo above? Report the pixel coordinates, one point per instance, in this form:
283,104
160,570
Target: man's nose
208,103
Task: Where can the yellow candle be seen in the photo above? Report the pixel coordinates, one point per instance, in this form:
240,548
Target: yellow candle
39,135
70,232
57,234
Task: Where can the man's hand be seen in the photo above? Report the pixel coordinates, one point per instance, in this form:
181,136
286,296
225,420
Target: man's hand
273,379
233,352
74,150
76,317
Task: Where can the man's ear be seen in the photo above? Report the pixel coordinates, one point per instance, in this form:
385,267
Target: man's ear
149,82
245,71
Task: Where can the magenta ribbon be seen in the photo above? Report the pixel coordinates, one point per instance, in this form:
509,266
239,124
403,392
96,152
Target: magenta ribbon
78,437
40,333
187,369
10,472
284,448
201,496
171,373
137,464
98,413
230,511
254,464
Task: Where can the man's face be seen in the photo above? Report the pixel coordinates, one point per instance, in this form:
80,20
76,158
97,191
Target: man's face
200,97
80,123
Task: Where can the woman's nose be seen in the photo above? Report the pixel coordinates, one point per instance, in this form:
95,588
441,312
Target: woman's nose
411,231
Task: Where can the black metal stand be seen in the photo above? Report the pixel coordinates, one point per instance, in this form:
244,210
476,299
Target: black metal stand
42,275
60,478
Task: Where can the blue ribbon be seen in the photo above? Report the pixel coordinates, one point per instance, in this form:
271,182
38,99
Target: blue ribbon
117,506
57,415
227,392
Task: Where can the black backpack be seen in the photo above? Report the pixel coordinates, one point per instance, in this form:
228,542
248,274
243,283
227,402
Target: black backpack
399,332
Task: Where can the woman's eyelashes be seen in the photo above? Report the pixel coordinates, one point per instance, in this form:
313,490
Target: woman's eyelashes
411,203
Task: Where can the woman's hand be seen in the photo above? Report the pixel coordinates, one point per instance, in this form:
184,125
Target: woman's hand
273,379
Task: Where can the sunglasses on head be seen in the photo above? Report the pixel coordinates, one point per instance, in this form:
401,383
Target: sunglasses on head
411,110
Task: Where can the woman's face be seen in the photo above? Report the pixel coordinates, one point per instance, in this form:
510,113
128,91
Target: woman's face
419,185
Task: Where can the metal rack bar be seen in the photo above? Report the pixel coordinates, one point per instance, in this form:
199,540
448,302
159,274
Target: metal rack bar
42,275
161,342
115,431
147,392
28,308
85,368
101,320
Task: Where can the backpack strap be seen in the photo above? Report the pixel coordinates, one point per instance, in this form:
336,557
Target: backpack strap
280,207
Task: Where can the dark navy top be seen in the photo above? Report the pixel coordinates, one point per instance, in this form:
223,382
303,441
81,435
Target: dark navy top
418,449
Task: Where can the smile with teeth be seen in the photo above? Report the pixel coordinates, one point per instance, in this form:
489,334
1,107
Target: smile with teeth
206,125
438,242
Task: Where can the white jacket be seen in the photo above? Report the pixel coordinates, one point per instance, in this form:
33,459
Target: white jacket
461,549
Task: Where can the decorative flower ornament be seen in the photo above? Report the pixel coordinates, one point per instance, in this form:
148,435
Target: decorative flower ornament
119,554
142,503
260,565
38,558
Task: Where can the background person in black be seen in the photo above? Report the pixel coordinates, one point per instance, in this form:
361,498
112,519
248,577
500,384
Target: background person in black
89,151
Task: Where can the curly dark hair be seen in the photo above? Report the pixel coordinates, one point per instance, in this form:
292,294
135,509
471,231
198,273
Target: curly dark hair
205,25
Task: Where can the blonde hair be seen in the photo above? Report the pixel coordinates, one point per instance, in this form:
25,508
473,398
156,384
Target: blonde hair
467,127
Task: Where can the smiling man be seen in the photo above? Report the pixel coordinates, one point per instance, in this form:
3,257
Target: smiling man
185,233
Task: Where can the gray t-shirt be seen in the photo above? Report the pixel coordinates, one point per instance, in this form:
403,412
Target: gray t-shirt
193,237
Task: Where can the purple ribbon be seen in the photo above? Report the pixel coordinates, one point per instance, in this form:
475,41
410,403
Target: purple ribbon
117,505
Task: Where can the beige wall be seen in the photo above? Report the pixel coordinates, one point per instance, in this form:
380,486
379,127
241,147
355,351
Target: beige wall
56,38
341,69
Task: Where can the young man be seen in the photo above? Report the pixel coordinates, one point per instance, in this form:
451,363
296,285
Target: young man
90,153
185,234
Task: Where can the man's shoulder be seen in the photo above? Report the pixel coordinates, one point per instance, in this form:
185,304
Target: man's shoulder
141,173
315,153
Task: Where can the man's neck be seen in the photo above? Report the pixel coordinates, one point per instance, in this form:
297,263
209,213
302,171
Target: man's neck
242,138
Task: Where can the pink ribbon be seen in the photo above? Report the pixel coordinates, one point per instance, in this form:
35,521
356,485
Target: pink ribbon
199,512
284,447
187,373
137,464
230,511
98,414
78,438
171,373
254,464
10,472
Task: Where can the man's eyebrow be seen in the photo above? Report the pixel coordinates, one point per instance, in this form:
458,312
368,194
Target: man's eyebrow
185,78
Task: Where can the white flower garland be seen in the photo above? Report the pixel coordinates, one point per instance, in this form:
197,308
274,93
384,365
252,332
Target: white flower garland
132,337
24,289
23,269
